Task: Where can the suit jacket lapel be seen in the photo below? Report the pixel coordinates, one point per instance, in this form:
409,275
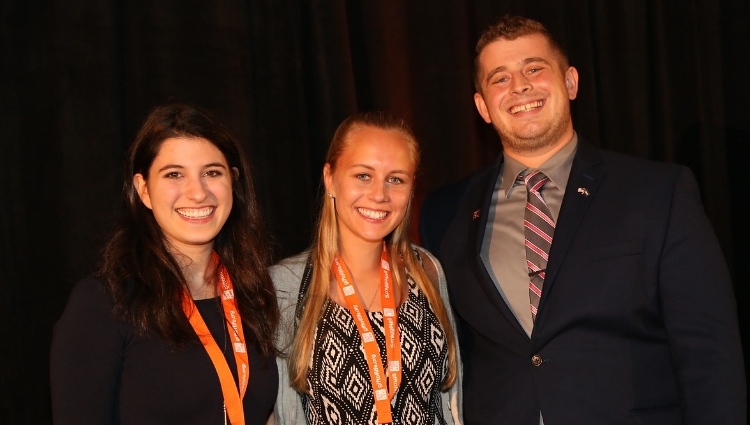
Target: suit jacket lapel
579,193
476,234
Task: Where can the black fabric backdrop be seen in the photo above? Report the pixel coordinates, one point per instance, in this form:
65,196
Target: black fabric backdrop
658,79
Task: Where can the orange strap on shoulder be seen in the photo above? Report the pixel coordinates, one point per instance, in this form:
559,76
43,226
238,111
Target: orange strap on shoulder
232,395
383,391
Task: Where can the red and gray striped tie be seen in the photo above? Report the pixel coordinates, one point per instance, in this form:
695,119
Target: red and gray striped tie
539,228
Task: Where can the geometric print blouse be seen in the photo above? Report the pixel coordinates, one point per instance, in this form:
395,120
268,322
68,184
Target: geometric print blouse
339,378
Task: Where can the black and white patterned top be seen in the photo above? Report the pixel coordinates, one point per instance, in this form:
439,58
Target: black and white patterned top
339,378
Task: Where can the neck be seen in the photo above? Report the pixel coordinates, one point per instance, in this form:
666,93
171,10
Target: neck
364,258
198,270
535,158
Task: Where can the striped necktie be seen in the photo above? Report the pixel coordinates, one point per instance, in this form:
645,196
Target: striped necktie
538,230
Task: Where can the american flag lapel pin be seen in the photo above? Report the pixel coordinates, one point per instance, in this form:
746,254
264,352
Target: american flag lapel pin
475,215
583,191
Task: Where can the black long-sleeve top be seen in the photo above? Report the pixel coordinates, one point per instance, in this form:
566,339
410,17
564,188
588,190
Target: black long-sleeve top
103,372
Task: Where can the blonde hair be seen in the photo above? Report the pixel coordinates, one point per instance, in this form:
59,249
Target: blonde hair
325,247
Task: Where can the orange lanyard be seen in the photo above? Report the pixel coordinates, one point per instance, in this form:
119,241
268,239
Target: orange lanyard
382,391
232,397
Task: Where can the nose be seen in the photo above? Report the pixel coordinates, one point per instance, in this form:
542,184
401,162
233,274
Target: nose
379,192
520,83
196,190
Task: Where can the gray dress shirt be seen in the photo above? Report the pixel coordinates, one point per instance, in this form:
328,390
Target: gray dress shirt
503,248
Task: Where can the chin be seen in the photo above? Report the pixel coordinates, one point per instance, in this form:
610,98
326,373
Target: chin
374,238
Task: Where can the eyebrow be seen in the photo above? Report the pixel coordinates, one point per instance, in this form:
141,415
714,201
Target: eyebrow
371,168
525,62
213,164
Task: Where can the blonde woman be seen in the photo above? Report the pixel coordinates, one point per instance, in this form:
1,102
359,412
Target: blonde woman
366,327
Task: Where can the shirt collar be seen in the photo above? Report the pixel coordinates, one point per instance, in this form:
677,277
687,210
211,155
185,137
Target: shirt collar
557,168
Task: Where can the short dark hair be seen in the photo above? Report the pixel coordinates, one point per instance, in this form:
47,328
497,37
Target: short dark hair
510,27
143,274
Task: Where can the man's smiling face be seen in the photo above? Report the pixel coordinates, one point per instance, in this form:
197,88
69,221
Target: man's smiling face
526,93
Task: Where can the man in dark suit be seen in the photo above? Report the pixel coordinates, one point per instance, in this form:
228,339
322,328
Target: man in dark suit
629,317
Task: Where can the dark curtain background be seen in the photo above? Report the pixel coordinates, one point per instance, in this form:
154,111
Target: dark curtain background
658,79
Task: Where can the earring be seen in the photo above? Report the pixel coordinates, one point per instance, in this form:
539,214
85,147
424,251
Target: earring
330,195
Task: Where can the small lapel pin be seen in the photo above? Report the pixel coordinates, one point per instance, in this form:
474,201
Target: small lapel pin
475,215
583,191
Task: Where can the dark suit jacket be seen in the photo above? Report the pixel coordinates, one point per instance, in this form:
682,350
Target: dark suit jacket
637,321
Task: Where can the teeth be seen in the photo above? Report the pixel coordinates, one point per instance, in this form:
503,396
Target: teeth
526,107
195,212
377,215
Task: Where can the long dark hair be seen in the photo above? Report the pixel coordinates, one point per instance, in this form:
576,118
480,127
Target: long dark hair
144,277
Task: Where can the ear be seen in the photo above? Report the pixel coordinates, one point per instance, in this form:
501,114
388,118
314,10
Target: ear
140,186
482,108
328,179
236,172
571,82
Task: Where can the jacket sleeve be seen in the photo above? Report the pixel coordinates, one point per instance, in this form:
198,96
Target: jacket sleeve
86,358
286,277
451,399
699,313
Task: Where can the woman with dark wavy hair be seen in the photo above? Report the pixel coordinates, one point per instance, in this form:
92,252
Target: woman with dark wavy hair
178,324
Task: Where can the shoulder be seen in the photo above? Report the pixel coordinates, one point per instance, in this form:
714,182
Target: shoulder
626,164
635,164
90,292
452,193
441,206
88,316
628,172
429,261
432,267
290,268
287,274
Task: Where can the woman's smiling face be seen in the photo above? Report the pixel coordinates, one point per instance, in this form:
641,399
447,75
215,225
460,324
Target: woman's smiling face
372,183
189,191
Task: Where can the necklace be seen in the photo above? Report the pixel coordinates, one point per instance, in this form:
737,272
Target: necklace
377,291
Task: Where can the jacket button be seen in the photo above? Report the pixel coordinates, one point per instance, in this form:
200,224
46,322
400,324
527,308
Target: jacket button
537,360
